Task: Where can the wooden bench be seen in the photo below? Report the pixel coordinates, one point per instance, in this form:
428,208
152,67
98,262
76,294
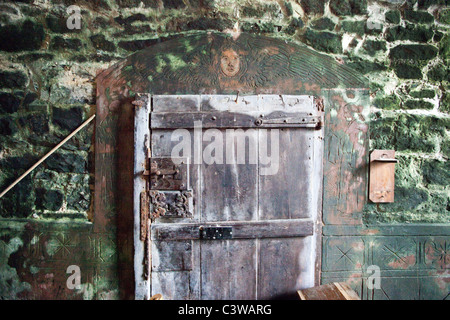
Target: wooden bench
331,291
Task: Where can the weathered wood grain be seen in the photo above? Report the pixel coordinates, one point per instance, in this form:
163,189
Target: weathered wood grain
162,146
331,291
229,190
287,194
284,267
266,210
172,285
182,103
382,176
228,269
171,256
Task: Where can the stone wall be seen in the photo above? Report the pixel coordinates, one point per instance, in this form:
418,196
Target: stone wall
47,86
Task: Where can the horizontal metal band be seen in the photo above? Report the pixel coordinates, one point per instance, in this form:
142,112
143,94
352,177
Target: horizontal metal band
278,119
241,230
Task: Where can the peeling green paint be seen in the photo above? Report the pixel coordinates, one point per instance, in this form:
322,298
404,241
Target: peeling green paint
161,63
10,284
176,62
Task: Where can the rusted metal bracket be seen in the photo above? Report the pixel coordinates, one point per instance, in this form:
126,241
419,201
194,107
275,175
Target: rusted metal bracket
280,120
167,192
168,173
141,99
319,104
145,205
174,204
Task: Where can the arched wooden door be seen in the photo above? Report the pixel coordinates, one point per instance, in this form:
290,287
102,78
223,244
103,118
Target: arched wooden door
227,195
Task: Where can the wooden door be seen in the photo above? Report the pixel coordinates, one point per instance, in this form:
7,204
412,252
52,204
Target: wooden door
234,196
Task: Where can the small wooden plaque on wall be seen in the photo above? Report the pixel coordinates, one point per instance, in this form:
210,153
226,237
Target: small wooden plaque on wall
382,176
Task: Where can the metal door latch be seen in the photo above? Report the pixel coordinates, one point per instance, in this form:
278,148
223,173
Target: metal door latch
216,233
167,173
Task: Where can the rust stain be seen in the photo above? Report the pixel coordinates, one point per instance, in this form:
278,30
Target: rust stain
403,262
370,232
346,144
438,254
443,282
313,87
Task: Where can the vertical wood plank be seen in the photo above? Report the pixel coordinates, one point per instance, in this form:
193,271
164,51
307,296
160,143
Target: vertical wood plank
172,285
229,192
284,267
228,269
229,188
171,255
286,194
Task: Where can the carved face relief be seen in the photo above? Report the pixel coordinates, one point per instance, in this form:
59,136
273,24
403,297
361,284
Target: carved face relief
230,62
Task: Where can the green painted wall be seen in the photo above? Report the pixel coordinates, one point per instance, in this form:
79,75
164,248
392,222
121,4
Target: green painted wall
47,89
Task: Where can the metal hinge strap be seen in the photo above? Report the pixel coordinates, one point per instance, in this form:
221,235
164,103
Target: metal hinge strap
145,206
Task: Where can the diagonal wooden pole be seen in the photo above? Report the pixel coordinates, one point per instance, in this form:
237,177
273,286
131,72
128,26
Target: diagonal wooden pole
47,155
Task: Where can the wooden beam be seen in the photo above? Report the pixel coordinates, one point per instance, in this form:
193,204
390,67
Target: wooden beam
241,230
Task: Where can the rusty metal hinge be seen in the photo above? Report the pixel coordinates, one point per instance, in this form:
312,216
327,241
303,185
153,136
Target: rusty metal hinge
144,232
145,202
167,190
281,120
166,173
144,210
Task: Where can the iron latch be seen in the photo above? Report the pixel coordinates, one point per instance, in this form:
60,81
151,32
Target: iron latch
168,173
216,233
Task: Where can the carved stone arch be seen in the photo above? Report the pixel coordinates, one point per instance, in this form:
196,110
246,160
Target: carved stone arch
219,63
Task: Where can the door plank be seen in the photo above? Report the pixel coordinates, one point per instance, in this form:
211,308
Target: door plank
228,269
287,194
284,267
171,255
229,192
173,285
229,189
180,103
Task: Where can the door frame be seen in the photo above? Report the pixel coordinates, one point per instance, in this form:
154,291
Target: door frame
345,93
